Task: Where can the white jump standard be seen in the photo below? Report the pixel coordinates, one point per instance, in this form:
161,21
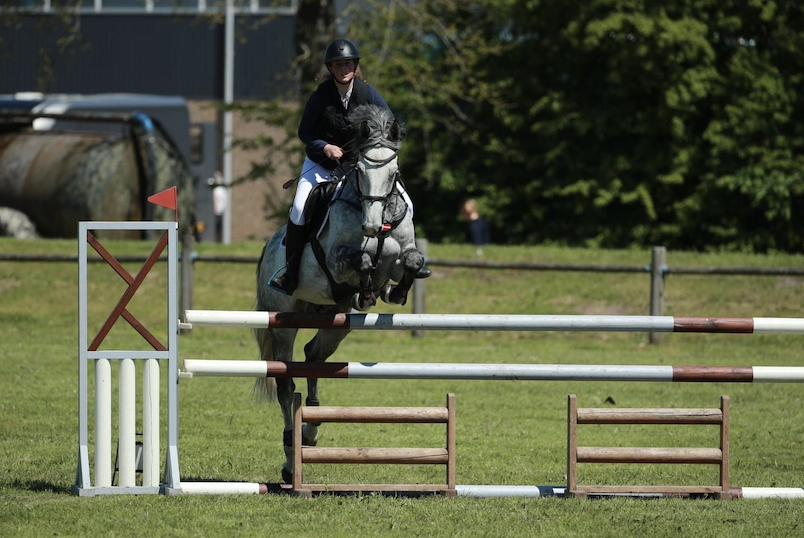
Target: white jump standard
88,352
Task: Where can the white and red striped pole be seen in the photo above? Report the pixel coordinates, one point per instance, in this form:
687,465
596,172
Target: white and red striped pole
483,322
503,372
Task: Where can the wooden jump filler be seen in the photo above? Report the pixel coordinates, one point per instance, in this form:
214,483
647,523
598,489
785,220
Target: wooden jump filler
374,415
581,454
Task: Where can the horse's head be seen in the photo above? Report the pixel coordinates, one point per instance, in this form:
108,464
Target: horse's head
378,139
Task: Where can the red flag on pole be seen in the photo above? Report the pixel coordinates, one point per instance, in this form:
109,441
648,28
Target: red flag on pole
166,198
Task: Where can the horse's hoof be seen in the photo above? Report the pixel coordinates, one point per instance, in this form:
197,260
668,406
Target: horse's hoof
397,297
287,476
358,303
393,295
307,439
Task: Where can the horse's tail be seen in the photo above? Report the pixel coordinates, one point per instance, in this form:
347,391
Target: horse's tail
259,264
264,390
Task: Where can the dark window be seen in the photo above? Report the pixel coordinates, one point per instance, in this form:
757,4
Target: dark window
130,4
264,4
175,4
24,3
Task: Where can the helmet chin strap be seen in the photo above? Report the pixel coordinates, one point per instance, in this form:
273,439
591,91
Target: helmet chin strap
344,87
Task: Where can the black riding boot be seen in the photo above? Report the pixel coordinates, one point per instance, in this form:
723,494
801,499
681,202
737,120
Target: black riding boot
295,239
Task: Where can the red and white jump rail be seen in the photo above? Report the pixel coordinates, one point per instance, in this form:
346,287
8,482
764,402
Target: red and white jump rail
502,372
482,322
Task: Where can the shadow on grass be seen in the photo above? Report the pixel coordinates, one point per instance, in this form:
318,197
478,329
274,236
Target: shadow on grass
41,486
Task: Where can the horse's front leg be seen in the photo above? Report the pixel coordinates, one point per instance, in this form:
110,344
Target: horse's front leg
358,261
411,260
316,351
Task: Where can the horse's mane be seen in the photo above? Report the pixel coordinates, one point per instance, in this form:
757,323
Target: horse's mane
379,122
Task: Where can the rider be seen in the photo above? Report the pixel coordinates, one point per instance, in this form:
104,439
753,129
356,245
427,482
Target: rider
326,132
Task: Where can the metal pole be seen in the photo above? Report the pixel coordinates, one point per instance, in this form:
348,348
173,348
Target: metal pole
420,290
657,269
228,98
187,276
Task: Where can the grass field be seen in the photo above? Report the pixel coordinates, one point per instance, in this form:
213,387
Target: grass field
508,432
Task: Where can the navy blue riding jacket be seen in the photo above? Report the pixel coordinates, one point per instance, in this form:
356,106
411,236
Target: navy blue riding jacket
325,121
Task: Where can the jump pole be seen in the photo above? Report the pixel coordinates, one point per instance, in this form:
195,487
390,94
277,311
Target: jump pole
478,491
481,322
502,372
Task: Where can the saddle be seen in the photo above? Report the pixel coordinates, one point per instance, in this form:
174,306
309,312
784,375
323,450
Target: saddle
317,207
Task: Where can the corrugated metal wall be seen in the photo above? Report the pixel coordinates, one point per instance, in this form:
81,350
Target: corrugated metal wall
167,54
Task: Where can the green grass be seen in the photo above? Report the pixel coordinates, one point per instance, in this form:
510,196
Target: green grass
508,432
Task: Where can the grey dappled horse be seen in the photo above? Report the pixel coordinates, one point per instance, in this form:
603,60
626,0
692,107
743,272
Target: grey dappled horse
367,215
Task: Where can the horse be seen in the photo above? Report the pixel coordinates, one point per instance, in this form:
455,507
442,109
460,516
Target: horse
365,247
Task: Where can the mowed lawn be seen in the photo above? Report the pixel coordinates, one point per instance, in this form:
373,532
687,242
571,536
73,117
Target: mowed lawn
507,432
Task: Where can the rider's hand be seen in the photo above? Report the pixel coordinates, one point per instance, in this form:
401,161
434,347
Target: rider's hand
333,152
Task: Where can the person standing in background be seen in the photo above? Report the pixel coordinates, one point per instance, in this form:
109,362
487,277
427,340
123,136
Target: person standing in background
477,231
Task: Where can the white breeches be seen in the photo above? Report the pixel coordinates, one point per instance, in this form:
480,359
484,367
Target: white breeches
312,174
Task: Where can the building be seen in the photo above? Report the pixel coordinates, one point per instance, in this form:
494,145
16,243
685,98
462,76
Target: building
160,47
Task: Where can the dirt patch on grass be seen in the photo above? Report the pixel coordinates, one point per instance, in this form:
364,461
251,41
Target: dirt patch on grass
591,308
8,284
789,282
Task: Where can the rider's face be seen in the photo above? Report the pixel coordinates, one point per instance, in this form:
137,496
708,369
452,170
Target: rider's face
343,71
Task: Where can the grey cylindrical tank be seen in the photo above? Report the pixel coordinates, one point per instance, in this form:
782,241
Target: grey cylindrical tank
60,178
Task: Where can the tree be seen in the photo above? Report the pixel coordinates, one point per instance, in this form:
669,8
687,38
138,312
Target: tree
606,122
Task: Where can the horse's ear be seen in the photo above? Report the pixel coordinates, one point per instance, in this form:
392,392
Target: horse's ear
365,130
397,133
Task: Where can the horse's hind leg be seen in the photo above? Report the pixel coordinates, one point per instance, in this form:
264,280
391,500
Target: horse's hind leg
318,350
282,348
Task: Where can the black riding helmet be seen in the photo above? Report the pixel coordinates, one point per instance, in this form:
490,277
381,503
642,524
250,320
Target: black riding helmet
341,49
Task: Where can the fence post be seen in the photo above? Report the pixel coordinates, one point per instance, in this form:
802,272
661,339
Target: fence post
187,273
420,289
657,267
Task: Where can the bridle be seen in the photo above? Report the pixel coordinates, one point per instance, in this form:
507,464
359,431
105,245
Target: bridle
376,162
